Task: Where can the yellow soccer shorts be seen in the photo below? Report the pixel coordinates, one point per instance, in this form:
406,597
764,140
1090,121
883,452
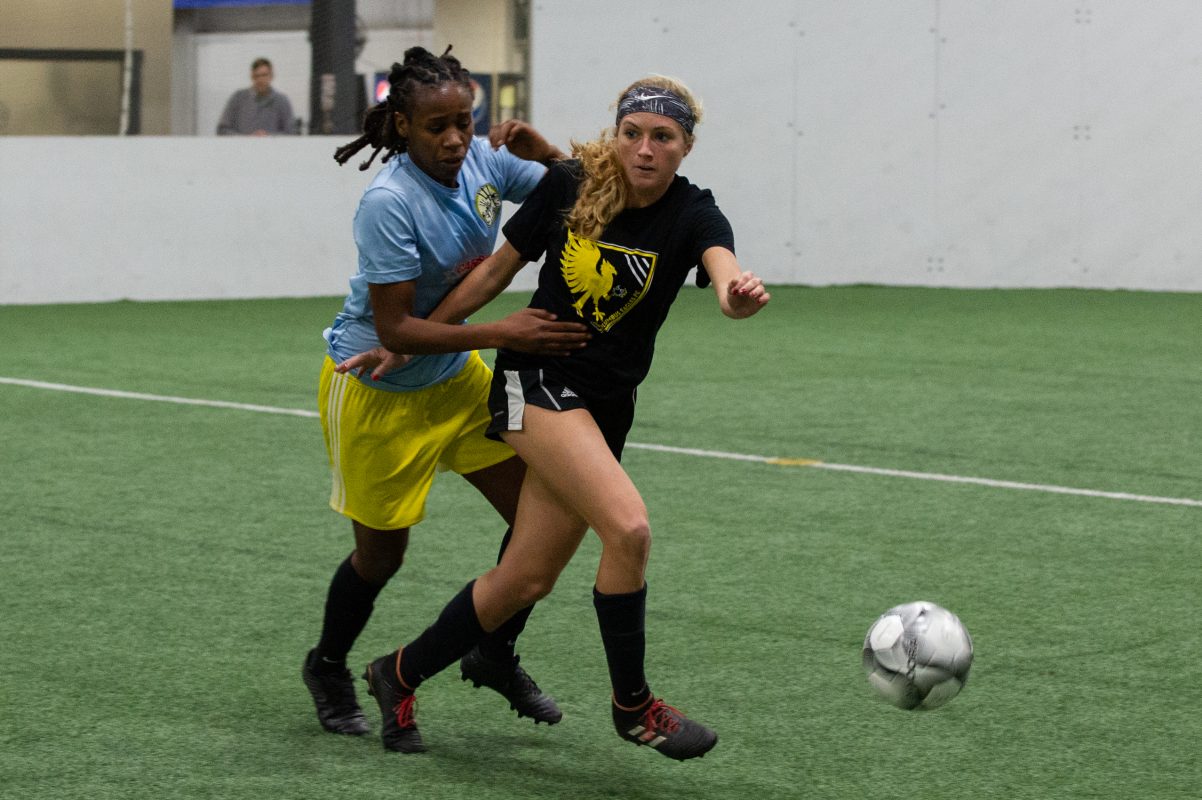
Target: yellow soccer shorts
385,447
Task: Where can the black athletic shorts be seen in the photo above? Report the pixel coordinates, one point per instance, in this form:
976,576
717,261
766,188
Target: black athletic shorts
513,390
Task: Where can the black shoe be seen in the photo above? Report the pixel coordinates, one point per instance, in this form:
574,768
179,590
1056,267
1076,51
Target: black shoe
399,732
666,729
334,695
512,683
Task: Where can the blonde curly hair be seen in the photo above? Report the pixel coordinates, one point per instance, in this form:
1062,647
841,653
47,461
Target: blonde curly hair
604,190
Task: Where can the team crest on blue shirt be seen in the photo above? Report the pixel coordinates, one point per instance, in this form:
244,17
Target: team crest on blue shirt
606,281
488,203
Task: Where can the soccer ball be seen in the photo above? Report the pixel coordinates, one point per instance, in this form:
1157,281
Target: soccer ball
917,655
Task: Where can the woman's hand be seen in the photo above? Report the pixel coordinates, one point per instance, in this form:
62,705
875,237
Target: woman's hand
740,294
745,295
379,361
533,330
523,141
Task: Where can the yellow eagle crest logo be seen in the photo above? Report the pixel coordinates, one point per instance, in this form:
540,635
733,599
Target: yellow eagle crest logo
610,277
588,275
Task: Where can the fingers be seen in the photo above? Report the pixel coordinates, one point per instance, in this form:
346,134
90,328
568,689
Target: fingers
504,132
747,285
560,346
568,333
560,338
355,364
547,316
534,330
515,131
496,136
746,295
522,140
392,361
379,361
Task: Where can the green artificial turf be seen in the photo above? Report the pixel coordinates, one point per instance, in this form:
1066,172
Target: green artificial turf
164,566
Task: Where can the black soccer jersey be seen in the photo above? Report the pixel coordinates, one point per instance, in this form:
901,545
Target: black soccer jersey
621,285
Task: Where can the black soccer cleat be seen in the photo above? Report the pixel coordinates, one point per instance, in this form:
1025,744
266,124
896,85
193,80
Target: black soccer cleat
399,732
511,682
666,729
333,693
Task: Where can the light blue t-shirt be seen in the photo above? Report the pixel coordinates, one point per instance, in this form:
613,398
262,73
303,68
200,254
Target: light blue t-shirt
410,227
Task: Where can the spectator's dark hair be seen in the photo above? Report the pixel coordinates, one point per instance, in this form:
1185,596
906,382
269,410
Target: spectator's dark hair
420,68
260,62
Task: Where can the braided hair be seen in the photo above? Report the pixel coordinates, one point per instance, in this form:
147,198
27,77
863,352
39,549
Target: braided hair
421,68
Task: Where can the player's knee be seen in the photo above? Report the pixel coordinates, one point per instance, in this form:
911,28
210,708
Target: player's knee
533,589
630,538
510,588
378,566
379,553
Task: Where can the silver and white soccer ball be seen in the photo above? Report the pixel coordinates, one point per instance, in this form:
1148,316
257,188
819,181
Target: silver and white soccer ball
917,655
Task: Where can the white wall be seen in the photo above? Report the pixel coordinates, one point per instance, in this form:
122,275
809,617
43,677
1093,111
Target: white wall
951,142
1020,143
176,218
150,218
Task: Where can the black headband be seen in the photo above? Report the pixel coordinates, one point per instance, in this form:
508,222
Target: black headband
656,101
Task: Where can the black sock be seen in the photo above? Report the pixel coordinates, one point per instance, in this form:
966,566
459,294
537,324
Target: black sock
621,617
498,645
349,604
453,634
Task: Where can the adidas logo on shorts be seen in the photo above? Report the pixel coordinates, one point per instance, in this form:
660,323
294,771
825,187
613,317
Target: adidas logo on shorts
567,393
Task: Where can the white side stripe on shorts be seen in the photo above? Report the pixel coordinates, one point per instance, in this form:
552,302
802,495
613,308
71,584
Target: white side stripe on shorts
550,396
516,402
334,403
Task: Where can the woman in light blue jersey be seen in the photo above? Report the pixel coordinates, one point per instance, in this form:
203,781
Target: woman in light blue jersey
427,219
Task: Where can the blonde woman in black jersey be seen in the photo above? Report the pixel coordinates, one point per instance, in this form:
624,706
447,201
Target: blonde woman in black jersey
620,231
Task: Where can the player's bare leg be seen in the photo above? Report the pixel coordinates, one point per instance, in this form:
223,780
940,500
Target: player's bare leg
586,480
494,662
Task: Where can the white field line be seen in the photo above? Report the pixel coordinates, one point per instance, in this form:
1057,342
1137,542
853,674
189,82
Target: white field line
185,401
687,451
923,476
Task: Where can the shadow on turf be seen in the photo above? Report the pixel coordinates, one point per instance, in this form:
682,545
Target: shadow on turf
504,763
